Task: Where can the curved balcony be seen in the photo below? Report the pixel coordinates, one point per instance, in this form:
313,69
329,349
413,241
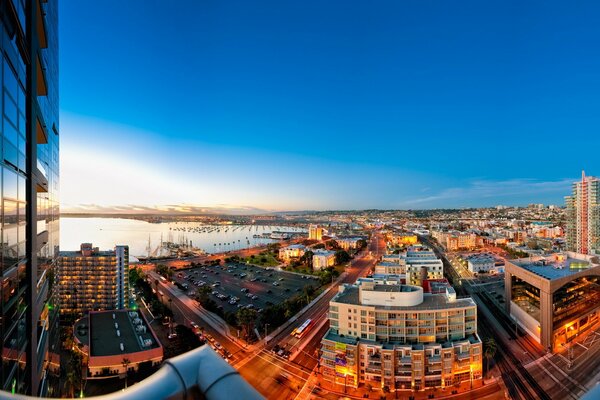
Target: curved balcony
200,373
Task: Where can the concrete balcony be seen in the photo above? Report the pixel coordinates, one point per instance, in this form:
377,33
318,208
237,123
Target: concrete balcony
200,373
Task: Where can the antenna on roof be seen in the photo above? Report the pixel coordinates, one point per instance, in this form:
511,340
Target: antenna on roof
582,175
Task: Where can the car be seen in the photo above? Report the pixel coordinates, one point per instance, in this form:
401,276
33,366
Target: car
259,310
172,335
244,290
218,345
254,297
280,279
253,280
275,284
239,306
232,302
242,275
249,295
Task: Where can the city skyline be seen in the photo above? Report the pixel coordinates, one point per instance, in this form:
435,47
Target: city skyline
278,108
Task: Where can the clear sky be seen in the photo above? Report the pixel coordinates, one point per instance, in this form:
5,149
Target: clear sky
282,105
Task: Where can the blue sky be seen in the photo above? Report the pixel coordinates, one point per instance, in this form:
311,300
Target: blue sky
326,105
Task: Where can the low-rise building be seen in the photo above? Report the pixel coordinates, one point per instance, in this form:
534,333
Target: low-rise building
348,243
395,336
116,341
323,259
291,252
481,263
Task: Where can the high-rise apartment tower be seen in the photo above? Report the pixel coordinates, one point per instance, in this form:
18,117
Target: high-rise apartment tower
583,216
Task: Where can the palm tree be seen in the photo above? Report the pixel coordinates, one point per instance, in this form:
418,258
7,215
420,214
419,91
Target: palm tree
125,362
70,383
489,352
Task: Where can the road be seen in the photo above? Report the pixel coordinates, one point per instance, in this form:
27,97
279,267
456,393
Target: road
277,378
272,375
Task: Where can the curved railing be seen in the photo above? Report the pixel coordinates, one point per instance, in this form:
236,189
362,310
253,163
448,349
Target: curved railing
200,373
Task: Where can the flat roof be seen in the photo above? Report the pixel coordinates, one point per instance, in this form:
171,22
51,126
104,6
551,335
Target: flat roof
551,268
430,301
98,330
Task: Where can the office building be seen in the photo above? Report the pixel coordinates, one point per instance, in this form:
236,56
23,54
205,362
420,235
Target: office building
315,232
553,298
395,336
30,206
583,216
107,338
93,280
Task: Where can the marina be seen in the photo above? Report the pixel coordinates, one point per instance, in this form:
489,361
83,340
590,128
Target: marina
169,239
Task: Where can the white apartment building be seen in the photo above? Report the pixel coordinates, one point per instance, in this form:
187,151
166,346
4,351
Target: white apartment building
323,259
389,335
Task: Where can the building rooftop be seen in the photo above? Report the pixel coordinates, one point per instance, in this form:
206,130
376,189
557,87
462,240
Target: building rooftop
98,330
350,295
556,266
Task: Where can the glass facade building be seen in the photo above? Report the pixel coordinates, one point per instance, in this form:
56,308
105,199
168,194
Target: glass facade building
29,190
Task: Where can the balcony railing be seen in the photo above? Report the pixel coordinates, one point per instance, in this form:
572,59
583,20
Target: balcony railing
199,373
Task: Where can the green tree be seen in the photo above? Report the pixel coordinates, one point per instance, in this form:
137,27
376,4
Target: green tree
246,318
341,256
489,352
307,258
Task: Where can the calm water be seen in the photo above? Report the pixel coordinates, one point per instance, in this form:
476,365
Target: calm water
105,233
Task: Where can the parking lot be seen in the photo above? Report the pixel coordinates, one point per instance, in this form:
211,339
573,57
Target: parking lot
236,285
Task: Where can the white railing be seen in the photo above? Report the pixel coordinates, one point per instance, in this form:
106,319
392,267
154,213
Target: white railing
200,373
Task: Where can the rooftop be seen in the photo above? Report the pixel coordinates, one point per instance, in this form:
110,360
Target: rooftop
350,295
557,266
98,330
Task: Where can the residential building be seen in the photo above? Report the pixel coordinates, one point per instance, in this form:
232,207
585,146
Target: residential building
455,241
396,336
107,338
30,205
93,280
291,252
583,216
323,259
553,298
422,263
315,232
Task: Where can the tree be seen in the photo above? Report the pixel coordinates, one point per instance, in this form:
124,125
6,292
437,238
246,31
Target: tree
341,256
361,244
308,291
489,352
125,362
70,383
246,318
307,258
